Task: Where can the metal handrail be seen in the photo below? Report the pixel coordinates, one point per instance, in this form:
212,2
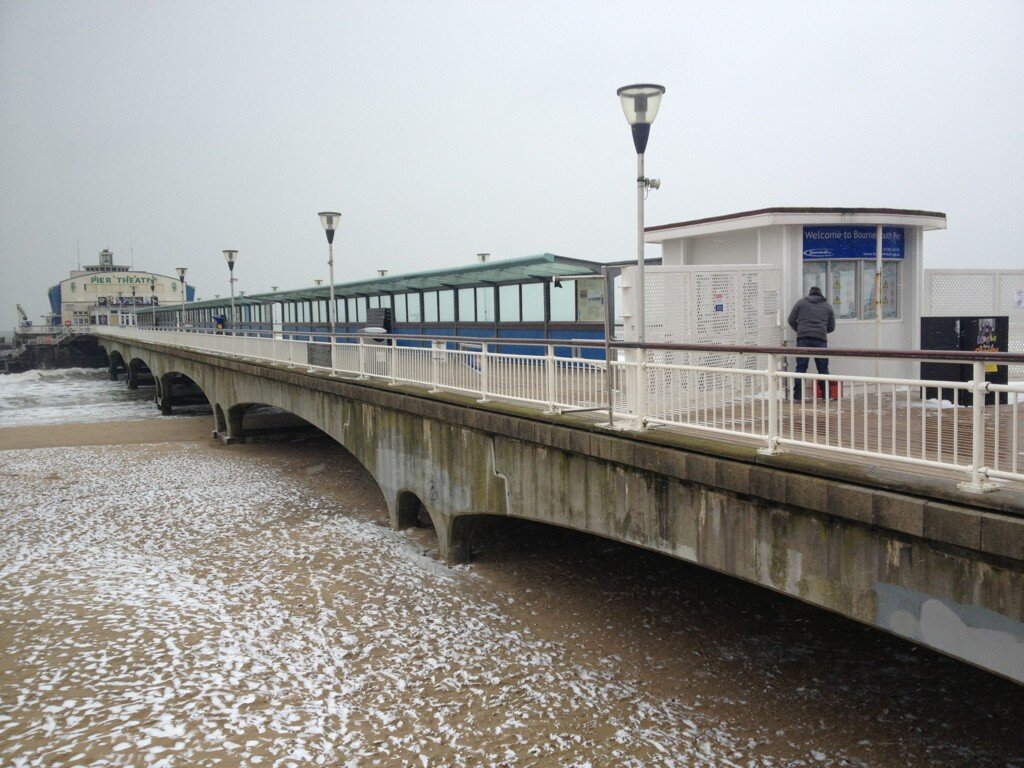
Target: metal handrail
874,417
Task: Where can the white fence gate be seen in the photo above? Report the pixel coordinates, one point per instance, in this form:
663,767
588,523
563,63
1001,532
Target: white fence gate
721,305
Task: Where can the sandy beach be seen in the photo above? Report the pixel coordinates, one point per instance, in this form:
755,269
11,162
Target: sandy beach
169,601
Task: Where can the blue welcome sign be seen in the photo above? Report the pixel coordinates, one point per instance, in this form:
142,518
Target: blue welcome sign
839,242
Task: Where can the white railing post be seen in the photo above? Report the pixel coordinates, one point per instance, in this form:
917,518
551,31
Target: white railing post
773,407
549,361
362,358
641,389
484,373
436,350
978,387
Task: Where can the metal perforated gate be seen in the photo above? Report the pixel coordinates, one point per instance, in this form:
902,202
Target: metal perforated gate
979,292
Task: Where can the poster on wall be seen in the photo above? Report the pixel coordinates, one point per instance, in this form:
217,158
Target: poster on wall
850,242
590,301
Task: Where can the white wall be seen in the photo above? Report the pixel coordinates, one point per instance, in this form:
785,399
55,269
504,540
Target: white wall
782,245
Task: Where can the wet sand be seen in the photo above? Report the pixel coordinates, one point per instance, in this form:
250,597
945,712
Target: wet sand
195,604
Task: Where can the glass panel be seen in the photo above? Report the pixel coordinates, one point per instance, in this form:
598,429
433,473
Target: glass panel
400,315
375,302
350,317
446,300
890,289
590,301
430,306
533,302
467,309
361,310
842,289
485,305
815,276
508,296
563,302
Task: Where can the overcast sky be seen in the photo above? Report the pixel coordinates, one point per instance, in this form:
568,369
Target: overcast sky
173,130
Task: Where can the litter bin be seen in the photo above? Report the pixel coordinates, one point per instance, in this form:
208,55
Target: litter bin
374,356
966,334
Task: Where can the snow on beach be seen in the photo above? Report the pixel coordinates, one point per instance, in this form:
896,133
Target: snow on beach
179,608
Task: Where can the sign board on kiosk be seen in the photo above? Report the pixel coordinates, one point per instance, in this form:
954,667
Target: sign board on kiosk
842,242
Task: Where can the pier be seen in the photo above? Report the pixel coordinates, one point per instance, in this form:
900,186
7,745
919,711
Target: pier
921,551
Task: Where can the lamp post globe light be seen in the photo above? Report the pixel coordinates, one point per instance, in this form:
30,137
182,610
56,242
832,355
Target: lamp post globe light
181,315
330,220
230,257
640,104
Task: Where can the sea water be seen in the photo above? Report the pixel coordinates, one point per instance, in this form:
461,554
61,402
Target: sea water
71,396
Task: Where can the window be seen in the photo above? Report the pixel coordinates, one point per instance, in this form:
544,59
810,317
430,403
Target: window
563,302
508,297
890,296
485,305
430,307
467,305
400,313
841,289
414,301
533,302
446,302
849,286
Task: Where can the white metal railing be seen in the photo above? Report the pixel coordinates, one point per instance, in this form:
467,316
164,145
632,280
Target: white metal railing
942,425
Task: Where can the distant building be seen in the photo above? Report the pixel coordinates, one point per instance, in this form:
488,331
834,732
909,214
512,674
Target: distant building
112,294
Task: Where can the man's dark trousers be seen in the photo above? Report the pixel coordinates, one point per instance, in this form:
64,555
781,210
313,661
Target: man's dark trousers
802,363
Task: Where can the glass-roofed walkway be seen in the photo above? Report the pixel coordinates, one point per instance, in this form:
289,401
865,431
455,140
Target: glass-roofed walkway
543,296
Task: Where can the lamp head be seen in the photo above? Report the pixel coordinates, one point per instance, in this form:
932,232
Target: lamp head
229,257
330,220
181,272
640,104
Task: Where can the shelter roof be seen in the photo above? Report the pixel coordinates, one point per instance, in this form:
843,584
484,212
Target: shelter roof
763,217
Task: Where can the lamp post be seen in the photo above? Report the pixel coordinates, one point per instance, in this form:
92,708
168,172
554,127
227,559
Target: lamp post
181,276
135,309
229,257
330,220
640,104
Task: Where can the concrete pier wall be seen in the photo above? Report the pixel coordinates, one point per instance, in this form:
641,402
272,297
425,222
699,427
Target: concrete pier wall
909,555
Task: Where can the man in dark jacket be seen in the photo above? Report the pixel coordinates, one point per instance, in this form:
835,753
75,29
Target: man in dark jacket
813,319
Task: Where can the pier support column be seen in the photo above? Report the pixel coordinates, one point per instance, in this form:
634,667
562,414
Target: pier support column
164,399
233,423
133,379
455,537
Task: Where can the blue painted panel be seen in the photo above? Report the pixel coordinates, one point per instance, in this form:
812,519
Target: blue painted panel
840,242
